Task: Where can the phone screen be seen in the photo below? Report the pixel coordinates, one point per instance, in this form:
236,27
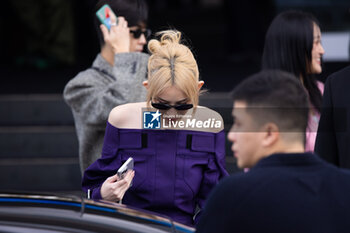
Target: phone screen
105,15
128,165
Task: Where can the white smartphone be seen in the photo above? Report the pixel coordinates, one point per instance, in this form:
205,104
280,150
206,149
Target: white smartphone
128,165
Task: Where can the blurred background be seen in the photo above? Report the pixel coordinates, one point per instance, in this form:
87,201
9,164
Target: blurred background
45,43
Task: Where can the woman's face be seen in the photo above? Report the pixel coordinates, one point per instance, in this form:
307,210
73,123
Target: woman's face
137,44
172,96
317,52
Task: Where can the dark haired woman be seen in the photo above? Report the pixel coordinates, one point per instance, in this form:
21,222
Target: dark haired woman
293,44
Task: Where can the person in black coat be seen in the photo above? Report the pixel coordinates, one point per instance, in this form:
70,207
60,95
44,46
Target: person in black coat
286,190
333,136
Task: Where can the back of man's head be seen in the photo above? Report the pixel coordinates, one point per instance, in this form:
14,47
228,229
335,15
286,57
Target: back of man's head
274,96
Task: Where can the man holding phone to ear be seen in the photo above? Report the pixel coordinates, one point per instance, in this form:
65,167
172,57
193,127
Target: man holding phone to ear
115,77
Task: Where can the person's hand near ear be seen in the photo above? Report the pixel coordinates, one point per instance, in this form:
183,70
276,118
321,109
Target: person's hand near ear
118,37
114,188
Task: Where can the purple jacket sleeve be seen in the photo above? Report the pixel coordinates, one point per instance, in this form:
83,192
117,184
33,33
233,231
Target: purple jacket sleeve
105,166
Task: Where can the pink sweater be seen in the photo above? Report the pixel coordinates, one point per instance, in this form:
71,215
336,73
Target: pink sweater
314,118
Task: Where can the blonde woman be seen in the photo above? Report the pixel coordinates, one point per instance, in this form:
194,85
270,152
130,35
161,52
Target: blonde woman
179,154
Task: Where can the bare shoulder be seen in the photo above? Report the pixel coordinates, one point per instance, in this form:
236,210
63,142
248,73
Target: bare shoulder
210,118
127,115
208,112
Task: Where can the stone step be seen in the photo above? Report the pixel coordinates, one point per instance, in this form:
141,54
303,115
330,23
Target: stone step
38,142
19,110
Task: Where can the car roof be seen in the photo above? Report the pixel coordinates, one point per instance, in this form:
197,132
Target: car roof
76,214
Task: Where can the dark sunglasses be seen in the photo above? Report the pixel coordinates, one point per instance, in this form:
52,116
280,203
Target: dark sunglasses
137,33
162,106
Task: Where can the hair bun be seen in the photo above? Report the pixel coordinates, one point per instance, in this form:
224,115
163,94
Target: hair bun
170,36
171,63
167,37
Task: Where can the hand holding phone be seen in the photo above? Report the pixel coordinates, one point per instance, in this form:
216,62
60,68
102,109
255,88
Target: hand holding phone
114,188
117,38
107,16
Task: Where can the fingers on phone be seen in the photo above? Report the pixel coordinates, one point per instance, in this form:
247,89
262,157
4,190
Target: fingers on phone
130,174
119,193
113,178
122,22
120,186
113,19
121,183
104,30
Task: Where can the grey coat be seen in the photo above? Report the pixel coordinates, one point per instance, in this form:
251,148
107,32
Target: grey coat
93,93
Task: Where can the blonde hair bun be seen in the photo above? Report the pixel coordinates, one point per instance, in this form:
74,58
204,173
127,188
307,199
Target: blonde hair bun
171,63
167,37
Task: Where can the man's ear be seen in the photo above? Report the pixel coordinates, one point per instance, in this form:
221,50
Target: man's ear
272,134
200,84
145,84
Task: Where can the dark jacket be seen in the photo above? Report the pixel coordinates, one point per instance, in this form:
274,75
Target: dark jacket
282,193
333,136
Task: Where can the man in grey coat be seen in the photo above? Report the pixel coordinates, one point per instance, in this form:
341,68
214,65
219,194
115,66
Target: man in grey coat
115,77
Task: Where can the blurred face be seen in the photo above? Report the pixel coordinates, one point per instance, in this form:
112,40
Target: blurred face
137,44
317,52
172,96
245,137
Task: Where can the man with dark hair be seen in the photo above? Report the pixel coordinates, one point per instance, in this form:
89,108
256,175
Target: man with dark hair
115,77
286,189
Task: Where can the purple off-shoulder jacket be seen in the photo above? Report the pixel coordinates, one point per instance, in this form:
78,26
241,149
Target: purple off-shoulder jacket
174,169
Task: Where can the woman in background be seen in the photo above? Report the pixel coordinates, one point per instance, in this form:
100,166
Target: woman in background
293,44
